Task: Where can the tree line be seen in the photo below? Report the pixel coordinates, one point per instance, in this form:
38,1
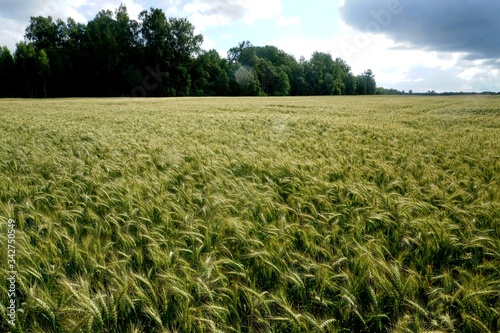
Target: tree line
391,91
113,55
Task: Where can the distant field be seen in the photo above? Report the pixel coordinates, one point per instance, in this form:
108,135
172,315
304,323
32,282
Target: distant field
323,214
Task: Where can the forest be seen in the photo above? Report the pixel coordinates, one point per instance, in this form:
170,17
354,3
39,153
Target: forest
155,56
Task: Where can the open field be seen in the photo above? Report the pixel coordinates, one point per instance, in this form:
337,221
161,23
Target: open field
325,214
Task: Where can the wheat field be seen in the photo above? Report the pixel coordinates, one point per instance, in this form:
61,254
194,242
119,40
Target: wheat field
295,214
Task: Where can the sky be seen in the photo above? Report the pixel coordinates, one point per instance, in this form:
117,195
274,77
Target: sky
419,45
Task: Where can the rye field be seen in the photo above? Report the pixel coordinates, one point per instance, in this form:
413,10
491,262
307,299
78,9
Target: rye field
319,214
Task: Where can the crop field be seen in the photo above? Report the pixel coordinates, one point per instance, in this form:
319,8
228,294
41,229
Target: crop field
294,214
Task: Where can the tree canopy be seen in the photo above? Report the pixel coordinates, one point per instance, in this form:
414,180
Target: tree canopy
114,55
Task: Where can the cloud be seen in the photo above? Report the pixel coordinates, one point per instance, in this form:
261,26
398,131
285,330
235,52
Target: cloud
460,78
287,21
22,10
17,10
11,32
207,43
470,27
402,68
226,9
207,13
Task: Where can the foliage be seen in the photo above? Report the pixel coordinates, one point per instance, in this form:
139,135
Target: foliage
33,65
114,55
6,72
325,214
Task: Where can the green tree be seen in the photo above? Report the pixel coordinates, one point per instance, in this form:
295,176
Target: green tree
171,45
159,56
74,69
281,84
129,50
248,57
33,67
324,76
183,46
43,69
371,85
234,53
114,48
266,73
361,85
298,84
209,74
271,66
182,41
104,52
243,80
49,40
342,73
26,64
350,84
43,32
154,31
7,78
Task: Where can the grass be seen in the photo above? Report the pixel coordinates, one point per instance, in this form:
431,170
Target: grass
334,214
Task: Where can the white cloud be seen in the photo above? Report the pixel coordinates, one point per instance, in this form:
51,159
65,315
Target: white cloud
428,47
207,43
11,32
445,26
261,9
91,9
469,73
287,21
396,67
133,8
210,13
202,22
61,10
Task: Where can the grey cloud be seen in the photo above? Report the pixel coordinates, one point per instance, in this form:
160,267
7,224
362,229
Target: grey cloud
22,10
228,8
19,9
469,26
